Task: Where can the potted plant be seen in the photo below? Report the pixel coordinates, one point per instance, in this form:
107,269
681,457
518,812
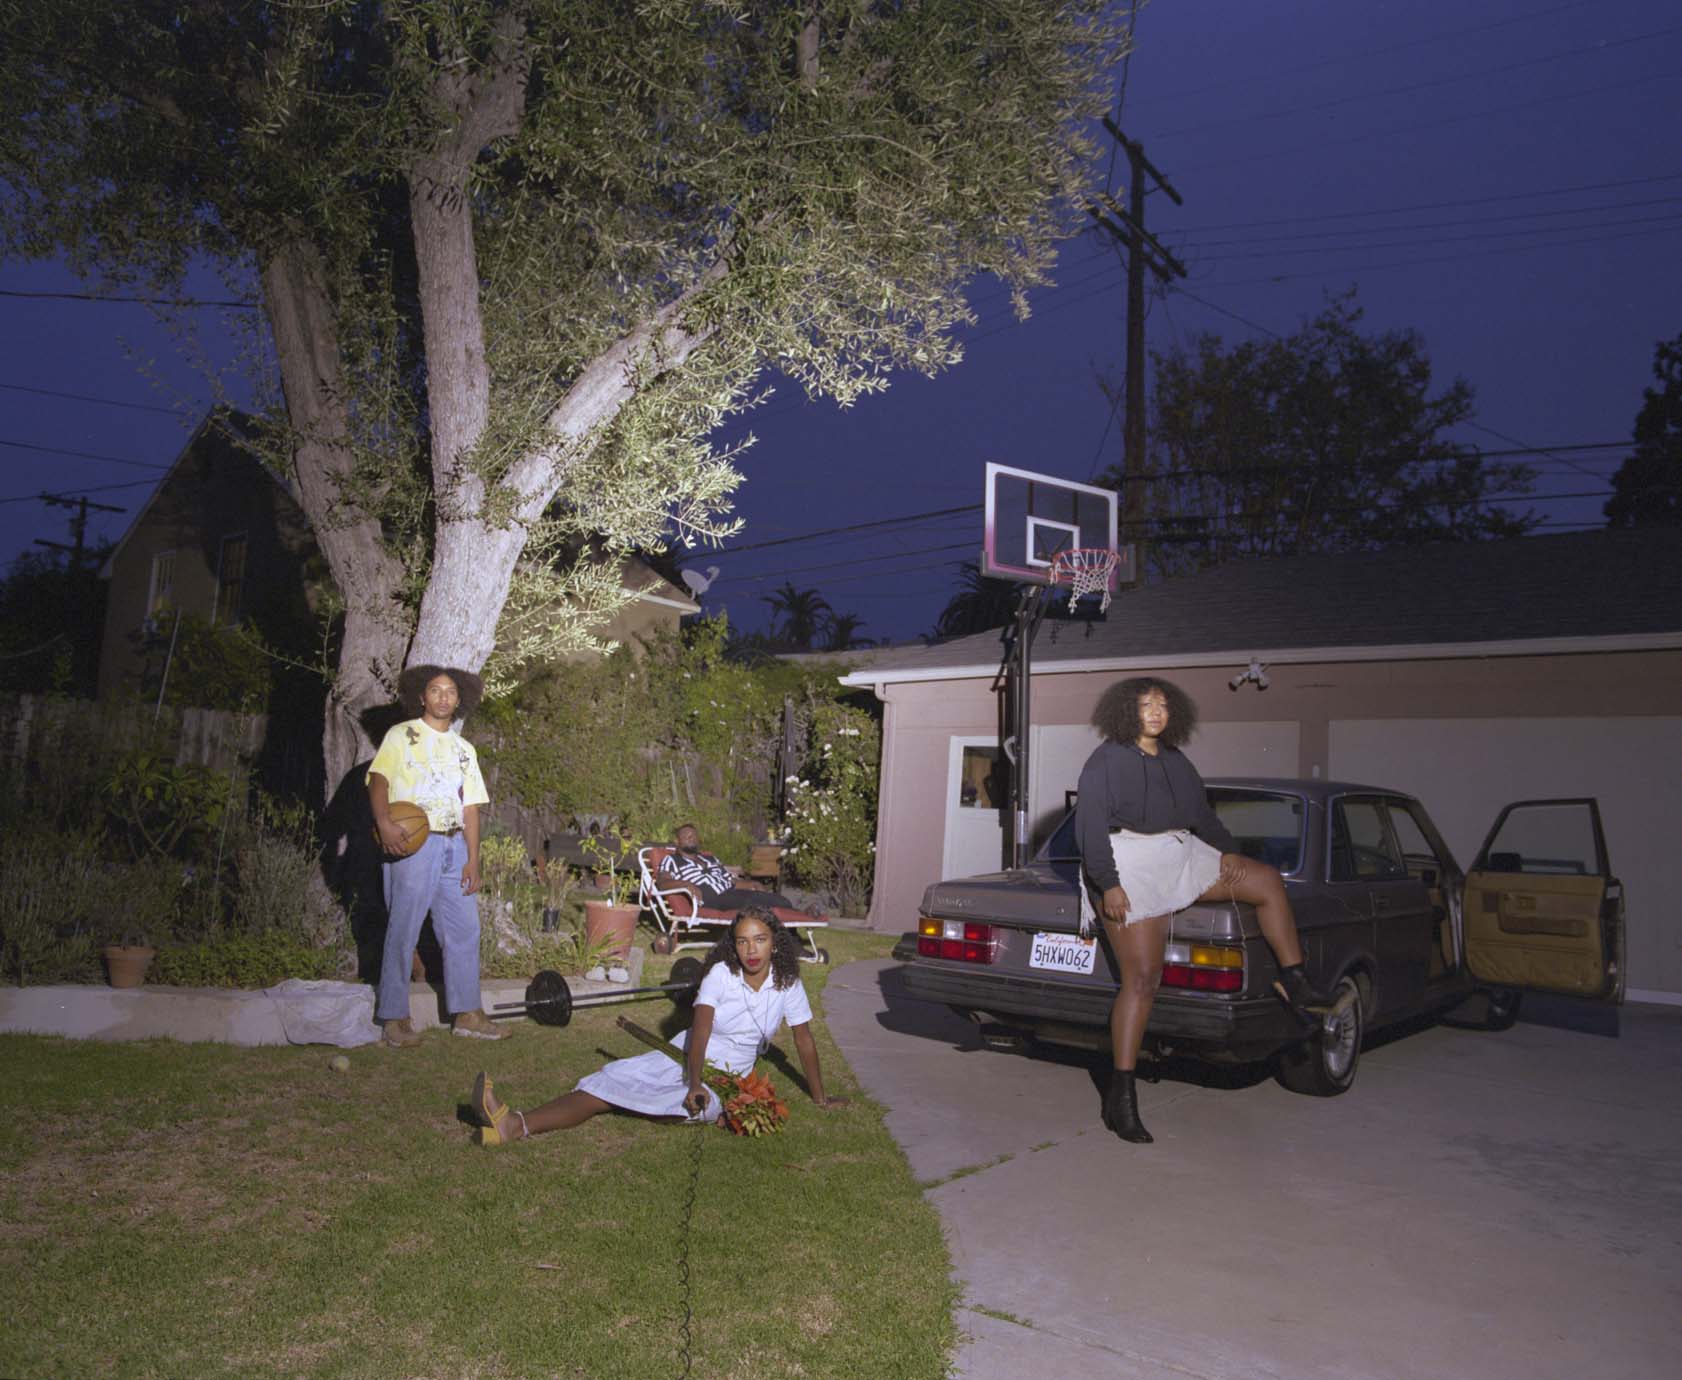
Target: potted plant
143,905
613,919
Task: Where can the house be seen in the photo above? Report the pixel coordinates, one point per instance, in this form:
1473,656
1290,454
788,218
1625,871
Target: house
1469,675
224,537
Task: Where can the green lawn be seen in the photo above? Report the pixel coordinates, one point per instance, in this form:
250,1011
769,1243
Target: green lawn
198,1210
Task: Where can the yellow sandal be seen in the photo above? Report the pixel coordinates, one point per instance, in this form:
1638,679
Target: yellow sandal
490,1122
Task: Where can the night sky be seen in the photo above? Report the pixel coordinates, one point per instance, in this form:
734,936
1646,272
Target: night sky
1503,176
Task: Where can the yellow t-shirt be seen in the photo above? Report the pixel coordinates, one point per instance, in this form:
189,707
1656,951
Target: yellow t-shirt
438,771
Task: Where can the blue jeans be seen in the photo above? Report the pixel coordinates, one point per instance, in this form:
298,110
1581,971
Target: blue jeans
430,881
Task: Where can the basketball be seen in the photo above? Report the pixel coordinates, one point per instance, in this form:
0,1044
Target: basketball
411,819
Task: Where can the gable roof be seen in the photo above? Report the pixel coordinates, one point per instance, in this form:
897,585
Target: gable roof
641,579
1579,591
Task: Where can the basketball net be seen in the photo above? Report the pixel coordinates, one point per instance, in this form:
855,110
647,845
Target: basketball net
1085,570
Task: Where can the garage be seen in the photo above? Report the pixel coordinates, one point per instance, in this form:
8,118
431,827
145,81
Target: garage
1467,675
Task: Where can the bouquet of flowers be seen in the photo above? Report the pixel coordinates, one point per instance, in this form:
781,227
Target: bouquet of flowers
751,1104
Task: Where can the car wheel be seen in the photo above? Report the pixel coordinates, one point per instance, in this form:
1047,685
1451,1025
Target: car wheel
1503,1007
1323,1065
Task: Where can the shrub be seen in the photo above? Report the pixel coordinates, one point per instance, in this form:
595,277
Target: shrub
242,960
832,807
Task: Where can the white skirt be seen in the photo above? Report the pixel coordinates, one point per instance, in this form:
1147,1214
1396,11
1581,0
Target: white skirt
653,1084
1161,873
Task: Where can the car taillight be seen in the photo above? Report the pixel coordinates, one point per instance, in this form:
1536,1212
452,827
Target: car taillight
1203,968
963,940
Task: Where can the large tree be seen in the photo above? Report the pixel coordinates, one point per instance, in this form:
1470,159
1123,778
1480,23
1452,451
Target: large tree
1647,489
517,258
1330,439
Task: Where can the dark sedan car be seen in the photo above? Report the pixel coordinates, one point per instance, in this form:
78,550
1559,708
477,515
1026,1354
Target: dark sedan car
1388,920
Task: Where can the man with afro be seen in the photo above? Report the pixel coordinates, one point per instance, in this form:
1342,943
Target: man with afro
426,761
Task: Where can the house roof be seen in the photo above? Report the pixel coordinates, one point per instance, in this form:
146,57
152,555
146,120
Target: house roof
641,579
1580,591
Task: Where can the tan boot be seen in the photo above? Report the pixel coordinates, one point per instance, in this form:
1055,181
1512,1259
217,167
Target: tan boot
401,1034
476,1025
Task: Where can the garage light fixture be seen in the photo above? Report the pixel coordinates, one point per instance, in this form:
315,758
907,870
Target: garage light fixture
1256,672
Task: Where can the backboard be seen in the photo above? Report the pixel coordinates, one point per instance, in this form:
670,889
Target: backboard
1031,517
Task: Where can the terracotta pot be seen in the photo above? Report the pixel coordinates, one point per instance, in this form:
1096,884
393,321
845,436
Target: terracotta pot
127,964
614,925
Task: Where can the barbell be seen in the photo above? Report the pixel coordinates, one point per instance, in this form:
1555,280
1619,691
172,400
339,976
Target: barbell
549,1001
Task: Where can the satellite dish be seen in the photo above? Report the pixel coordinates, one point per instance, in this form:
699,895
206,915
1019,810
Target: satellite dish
697,582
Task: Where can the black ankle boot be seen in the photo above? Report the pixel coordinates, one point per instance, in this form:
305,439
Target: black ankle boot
1297,992
1121,1108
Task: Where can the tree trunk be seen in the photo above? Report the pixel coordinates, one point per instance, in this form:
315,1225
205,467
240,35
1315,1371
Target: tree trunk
376,630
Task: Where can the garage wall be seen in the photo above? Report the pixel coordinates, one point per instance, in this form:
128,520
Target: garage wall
1217,749
1466,769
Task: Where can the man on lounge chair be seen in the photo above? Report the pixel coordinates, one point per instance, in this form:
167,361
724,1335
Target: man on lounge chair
708,880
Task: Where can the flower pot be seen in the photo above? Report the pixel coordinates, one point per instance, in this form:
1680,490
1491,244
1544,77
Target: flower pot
127,964
551,919
613,925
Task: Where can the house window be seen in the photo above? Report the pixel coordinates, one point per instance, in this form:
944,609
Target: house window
162,593
983,783
230,579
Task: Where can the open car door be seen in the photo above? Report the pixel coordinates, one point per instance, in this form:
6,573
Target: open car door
1543,911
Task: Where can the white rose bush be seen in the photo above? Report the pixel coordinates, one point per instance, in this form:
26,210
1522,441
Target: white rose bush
832,808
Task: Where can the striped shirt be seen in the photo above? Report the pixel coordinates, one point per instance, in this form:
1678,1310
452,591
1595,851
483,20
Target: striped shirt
698,869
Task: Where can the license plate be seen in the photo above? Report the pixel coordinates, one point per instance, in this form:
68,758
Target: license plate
1063,953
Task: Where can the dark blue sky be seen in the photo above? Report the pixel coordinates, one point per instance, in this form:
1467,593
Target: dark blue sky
1503,176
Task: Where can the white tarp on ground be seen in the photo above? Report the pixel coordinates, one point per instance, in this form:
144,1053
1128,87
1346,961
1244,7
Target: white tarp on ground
325,1013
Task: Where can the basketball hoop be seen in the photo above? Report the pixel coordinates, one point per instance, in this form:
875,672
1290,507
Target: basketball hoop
1085,570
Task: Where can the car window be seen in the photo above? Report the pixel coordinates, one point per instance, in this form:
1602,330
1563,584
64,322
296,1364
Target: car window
1549,838
1417,851
1363,849
1265,827
1062,846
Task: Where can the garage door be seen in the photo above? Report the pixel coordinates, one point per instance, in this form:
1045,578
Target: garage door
1466,769
1219,749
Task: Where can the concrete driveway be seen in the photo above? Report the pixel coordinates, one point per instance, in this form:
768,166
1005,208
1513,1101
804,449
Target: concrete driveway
1488,1205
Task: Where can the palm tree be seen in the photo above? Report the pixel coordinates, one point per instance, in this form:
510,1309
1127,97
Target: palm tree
841,634
804,613
981,602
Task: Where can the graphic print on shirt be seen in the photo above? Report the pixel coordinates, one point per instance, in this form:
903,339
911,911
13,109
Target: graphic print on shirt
698,869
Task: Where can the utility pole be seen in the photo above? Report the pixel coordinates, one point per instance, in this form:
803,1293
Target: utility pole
79,508
1144,251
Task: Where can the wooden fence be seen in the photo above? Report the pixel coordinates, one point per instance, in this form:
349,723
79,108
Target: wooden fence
41,726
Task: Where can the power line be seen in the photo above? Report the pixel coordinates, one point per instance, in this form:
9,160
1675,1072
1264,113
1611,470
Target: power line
94,489
83,455
1441,205
851,527
1462,222
89,397
1507,235
127,299
1443,258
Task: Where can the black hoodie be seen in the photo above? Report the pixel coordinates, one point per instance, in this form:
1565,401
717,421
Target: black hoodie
1127,788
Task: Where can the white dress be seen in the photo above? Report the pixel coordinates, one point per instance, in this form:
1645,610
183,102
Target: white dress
743,1023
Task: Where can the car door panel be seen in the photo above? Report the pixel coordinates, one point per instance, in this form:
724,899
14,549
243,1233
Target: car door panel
1541,909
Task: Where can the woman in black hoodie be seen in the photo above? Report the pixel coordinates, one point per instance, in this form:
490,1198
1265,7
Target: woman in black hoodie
1151,845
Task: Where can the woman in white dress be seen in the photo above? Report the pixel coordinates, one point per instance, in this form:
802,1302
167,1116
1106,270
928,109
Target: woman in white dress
749,987
1150,845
